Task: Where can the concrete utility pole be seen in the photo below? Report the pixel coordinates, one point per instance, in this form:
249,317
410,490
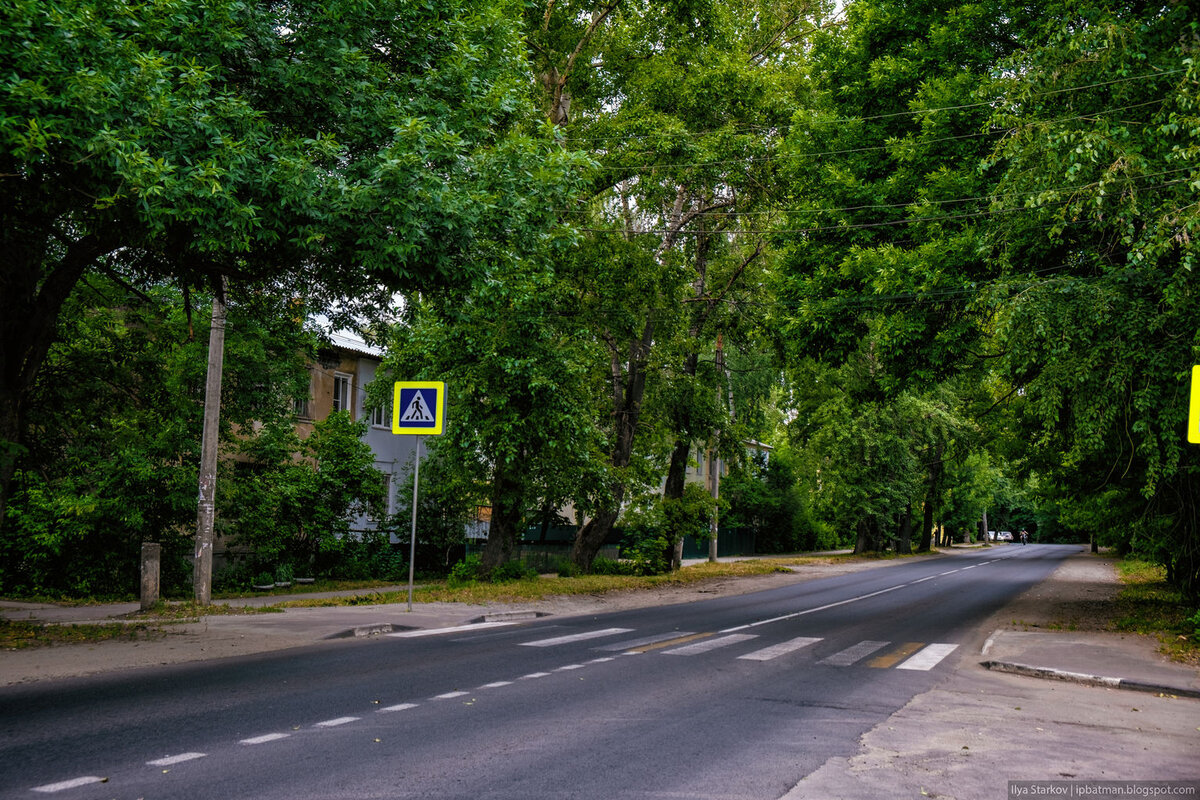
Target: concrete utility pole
715,463
206,502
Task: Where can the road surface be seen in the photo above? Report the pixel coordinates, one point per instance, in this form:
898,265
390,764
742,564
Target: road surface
736,697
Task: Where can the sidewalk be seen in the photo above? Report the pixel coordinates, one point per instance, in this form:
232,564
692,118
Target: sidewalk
1124,661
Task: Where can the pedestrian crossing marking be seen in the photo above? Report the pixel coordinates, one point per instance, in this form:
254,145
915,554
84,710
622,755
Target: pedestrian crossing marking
851,654
889,660
709,644
781,649
575,637
664,642
929,658
635,644
915,656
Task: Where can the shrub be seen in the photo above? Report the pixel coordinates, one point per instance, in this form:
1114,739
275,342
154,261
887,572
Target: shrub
465,572
512,571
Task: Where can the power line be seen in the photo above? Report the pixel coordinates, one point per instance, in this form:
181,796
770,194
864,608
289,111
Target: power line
785,157
844,120
855,226
909,204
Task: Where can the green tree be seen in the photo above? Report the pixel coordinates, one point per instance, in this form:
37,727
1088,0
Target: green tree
679,105
520,394
1096,315
321,150
115,432
296,499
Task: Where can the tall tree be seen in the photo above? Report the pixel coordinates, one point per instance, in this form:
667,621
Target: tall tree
679,103
326,150
1097,313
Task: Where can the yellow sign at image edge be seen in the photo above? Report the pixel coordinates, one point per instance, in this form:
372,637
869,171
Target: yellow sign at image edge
419,408
1193,434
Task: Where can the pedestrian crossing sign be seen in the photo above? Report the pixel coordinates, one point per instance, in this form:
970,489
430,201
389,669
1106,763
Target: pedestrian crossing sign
419,408
1193,432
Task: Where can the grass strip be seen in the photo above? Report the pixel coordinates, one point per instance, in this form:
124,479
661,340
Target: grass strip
20,635
549,586
1150,605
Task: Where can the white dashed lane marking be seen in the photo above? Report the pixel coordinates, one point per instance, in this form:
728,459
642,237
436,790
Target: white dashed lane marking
268,737
74,783
171,760
333,723
397,707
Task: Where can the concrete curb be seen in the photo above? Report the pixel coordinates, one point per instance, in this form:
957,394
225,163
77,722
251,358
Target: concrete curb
1088,680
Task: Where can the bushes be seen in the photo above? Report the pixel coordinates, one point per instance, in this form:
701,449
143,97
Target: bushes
470,570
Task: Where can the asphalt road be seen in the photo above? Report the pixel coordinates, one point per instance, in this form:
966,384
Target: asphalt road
737,697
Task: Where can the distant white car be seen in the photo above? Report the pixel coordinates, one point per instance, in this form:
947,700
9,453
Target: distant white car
1004,536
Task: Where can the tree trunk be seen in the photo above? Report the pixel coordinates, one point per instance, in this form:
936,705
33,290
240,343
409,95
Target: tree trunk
507,514
904,534
30,303
628,394
591,537
931,493
861,540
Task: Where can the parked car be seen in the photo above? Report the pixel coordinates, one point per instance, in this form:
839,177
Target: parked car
1004,536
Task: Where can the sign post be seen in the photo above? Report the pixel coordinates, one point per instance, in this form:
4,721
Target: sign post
418,409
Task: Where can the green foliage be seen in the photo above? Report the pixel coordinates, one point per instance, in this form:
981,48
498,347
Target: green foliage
447,502
295,499
645,543
765,497
471,570
689,515
465,572
1096,315
512,571
117,412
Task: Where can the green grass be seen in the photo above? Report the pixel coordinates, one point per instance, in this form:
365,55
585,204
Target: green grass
548,586
15,635
321,585
189,610
1149,605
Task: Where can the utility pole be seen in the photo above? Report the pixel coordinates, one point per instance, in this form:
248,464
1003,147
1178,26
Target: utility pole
715,463
206,503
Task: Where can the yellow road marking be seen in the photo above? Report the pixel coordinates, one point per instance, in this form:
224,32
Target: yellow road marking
669,643
896,656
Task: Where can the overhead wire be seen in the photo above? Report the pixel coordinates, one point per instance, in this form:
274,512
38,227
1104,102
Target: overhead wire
912,112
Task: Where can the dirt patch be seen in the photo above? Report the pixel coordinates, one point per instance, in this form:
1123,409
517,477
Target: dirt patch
1080,596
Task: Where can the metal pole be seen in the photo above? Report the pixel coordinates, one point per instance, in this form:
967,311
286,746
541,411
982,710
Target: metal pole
412,541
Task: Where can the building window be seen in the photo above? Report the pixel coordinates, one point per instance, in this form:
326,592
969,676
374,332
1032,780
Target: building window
341,391
377,417
301,404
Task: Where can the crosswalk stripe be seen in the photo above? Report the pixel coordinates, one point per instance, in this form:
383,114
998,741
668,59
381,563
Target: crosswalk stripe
630,644
783,648
929,658
576,637
888,660
709,644
852,654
